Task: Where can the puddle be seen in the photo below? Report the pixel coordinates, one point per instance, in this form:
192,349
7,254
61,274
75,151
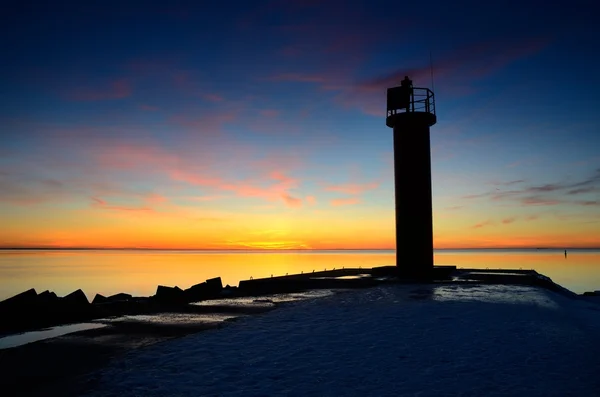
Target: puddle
34,336
171,318
266,300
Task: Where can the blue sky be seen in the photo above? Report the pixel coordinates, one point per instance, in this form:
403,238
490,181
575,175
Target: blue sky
249,117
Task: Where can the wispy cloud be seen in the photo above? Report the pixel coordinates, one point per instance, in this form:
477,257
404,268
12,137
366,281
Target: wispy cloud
548,194
116,89
482,224
211,97
291,201
149,108
103,204
269,112
352,188
345,201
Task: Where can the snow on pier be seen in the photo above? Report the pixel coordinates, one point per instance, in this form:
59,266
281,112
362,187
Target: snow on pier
421,340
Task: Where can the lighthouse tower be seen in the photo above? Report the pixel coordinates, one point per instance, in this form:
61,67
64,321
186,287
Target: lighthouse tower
410,112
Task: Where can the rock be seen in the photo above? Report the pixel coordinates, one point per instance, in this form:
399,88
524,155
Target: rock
76,298
99,299
47,298
119,297
22,300
211,288
228,290
215,285
590,293
197,292
169,294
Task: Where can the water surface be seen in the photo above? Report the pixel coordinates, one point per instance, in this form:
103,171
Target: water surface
138,272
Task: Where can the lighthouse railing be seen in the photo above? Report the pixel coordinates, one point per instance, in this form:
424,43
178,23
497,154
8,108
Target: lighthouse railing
421,100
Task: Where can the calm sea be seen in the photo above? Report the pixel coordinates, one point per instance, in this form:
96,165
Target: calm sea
138,272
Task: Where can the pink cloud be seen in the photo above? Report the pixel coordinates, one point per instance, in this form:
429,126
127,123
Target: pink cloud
482,224
210,123
195,178
345,201
212,97
311,200
352,188
291,51
149,108
279,190
539,201
116,89
299,78
475,61
102,204
154,198
455,70
291,201
269,112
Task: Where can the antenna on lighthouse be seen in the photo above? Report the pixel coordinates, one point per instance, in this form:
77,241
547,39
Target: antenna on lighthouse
431,69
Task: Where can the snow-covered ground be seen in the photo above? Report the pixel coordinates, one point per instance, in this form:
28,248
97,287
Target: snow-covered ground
389,340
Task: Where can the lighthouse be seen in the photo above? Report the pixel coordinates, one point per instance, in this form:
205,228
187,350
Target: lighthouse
411,113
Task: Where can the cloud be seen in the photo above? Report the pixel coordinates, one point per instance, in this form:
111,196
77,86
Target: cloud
507,221
509,183
352,188
582,190
282,244
457,71
102,204
482,224
345,201
311,200
536,200
298,78
212,97
269,113
116,89
454,208
209,123
149,108
291,201
277,190
548,194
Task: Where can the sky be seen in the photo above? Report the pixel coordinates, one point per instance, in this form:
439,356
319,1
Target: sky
261,124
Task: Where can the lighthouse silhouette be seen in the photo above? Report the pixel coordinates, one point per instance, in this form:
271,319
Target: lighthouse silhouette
411,112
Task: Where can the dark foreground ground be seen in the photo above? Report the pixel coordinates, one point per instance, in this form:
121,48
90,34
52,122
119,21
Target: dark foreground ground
59,366
62,366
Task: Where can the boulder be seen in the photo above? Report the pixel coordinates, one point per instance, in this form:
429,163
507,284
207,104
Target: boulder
211,288
228,290
99,299
197,292
20,301
215,285
75,298
47,298
169,294
119,297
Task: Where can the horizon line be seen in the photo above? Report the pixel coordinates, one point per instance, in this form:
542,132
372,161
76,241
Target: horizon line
275,249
